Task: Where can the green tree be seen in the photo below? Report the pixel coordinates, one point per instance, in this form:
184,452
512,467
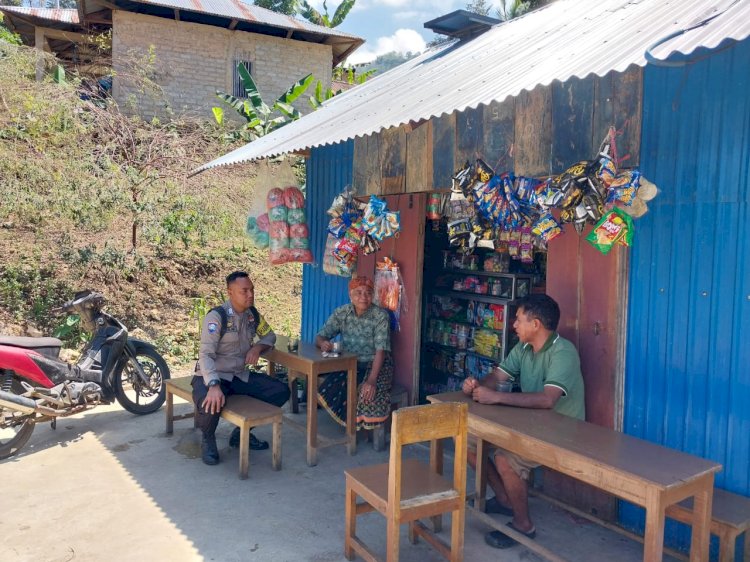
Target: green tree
62,4
324,19
387,61
510,9
288,7
481,7
7,35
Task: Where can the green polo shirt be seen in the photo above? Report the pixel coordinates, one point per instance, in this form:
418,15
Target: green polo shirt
556,364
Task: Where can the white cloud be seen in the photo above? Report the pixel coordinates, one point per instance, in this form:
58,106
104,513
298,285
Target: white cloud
402,41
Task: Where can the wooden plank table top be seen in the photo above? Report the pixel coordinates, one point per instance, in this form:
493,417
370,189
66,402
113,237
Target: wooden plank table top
308,362
636,470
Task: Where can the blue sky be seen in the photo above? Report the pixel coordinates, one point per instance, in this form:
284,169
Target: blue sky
391,25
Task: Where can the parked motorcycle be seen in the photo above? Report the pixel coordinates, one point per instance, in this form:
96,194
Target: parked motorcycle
37,386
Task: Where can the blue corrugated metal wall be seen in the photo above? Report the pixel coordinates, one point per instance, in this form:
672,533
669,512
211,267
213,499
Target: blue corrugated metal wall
329,170
687,380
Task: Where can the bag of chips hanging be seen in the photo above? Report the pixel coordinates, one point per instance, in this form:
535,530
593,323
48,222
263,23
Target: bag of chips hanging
389,289
615,227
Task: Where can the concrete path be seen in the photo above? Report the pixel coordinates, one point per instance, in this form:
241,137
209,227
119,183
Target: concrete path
108,485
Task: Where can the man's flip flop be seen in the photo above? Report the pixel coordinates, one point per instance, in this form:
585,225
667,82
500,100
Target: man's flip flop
496,539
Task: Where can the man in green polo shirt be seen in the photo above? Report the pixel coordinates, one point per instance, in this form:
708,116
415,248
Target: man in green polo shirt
547,369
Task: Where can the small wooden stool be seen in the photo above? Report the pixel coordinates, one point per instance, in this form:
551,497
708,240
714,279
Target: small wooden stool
245,412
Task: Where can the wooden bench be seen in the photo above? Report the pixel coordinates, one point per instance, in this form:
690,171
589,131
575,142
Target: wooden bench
399,398
730,517
243,411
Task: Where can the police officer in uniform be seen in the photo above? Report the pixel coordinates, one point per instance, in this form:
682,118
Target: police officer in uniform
227,349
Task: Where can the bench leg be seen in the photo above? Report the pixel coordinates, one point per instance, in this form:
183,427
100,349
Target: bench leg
746,538
293,393
170,413
276,454
727,542
378,438
701,520
244,451
653,540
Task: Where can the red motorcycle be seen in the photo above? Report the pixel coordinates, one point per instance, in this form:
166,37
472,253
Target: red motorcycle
36,386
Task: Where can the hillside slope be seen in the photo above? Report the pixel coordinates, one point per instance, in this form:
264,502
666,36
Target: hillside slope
81,182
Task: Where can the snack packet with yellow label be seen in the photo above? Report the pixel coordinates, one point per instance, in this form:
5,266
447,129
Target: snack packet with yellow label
615,227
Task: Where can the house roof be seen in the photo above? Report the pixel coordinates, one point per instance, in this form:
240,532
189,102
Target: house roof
566,39
52,15
24,20
234,14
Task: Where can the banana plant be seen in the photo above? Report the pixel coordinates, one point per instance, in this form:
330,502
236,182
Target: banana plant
341,73
260,118
314,16
320,95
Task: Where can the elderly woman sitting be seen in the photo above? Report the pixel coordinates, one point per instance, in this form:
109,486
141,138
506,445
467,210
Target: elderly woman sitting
365,332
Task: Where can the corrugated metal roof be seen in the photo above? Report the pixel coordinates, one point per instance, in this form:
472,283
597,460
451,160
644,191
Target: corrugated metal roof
50,14
568,38
236,9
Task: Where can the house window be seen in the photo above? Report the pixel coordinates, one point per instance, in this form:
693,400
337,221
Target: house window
238,90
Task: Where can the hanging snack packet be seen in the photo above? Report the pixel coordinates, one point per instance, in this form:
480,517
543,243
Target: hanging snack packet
546,227
614,227
624,187
375,208
462,179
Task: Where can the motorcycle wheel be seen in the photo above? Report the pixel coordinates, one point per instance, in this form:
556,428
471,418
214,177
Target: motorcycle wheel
131,392
14,437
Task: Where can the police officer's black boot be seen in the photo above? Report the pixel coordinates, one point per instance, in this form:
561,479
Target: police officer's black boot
207,423
209,450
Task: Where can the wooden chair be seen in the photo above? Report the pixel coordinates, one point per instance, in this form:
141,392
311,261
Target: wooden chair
405,491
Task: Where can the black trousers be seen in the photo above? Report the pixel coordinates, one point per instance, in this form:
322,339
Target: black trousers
258,386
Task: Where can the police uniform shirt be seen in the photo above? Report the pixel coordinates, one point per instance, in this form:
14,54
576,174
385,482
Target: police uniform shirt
224,357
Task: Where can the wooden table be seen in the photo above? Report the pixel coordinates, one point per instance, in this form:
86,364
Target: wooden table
309,362
638,471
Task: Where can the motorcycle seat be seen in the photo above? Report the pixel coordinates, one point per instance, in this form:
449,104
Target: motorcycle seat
30,343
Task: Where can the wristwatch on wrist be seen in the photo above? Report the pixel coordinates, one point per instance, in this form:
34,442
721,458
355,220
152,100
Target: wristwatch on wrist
214,382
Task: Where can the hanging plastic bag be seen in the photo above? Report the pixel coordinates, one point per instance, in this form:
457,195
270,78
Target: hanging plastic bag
389,293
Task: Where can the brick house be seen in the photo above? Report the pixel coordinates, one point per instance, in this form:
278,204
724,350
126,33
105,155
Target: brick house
197,46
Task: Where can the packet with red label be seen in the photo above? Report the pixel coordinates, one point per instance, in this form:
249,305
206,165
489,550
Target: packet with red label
615,227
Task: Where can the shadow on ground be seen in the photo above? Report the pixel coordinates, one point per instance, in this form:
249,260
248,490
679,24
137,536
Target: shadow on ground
111,485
